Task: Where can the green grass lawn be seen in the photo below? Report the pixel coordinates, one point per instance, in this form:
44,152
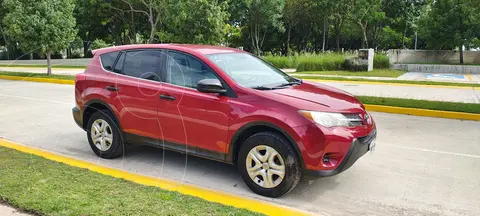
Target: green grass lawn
38,75
316,78
45,187
42,66
421,104
374,73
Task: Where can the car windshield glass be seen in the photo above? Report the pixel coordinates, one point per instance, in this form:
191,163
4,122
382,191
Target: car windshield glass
250,71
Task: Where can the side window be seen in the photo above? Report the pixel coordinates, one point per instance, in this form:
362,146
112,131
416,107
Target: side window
145,64
186,70
119,65
108,59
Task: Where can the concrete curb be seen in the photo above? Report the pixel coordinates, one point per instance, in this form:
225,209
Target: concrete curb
423,112
37,79
166,184
374,108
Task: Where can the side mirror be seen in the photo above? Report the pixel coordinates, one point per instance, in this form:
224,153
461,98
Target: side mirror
210,86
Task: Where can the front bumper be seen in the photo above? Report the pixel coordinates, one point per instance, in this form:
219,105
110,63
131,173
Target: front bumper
77,116
359,147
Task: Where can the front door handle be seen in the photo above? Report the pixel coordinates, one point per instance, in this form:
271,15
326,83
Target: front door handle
112,88
167,97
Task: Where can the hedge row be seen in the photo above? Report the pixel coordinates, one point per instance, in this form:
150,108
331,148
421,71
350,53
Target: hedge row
321,62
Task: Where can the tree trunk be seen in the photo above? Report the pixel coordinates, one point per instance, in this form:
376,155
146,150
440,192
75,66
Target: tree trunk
86,46
49,63
364,32
324,32
288,41
6,42
461,54
404,32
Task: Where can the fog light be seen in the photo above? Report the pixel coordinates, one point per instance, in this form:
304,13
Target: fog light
326,158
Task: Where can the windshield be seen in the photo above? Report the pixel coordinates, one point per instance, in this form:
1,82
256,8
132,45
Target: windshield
250,71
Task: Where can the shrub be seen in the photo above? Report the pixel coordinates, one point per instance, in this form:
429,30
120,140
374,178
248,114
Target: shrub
381,61
353,64
321,62
325,62
282,61
98,44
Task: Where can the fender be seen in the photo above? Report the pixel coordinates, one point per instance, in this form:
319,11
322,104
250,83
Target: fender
230,157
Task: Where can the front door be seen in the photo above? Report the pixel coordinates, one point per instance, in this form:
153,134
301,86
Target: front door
188,116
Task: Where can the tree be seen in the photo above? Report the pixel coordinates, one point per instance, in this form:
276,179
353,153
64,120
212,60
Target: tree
92,18
263,15
403,13
450,24
340,10
45,25
196,21
292,13
364,13
154,10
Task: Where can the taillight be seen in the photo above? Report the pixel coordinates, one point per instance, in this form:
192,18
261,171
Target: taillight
80,77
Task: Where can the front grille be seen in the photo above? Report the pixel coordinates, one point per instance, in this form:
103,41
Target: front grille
354,119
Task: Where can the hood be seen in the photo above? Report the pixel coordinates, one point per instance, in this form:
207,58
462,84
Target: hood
317,97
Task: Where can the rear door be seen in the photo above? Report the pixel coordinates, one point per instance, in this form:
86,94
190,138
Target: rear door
188,116
136,86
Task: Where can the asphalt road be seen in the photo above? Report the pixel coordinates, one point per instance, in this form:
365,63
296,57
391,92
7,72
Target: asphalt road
422,166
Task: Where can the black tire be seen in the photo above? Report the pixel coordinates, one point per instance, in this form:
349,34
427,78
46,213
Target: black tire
117,147
278,142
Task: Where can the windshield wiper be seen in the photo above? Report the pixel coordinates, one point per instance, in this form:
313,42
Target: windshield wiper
296,82
263,88
280,86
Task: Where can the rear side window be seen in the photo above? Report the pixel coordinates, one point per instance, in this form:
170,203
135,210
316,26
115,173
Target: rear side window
108,59
145,64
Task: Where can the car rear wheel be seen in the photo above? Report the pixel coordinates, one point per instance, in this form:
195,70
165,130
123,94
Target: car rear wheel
104,135
268,164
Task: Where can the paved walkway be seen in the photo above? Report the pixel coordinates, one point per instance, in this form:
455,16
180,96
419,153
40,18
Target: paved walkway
6,210
62,71
432,93
415,76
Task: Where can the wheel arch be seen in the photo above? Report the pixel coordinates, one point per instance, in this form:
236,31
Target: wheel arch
248,130
94,105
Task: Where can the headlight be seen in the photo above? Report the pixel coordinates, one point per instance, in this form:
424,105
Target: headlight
327,119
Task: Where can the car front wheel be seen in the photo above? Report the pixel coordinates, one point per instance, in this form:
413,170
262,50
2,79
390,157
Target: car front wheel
268,164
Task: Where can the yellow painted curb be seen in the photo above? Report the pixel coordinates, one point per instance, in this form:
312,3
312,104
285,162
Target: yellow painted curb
392,84
184,188
37,79
423,112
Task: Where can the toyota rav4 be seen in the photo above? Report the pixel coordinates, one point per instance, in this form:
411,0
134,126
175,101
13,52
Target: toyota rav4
222,104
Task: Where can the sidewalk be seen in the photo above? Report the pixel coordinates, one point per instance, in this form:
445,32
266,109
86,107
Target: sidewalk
392,90
59,71
412,76
6,210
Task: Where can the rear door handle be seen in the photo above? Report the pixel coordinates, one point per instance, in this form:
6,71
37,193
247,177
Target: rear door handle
111,88
167,97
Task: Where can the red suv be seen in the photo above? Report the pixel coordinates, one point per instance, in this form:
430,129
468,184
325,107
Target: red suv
222,104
